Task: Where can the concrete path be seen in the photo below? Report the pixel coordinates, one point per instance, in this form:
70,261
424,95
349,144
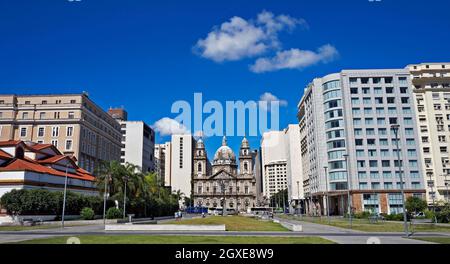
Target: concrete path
338,235
348,236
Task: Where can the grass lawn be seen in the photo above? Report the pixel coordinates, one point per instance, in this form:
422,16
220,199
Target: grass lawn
233,223
364,225
144,239
25,228
439,240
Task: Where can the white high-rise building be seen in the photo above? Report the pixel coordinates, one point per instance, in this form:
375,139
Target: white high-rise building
294,165
348,125
431,89
181,160
138,141
281,164
274,163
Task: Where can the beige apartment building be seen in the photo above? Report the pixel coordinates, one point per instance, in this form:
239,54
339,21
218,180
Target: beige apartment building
431,86
71,122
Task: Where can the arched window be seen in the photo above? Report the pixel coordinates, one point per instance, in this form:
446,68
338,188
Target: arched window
245,166
199,167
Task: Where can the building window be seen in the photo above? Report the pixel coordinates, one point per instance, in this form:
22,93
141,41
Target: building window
69,144
54,142
395,203
25,115
71,115
41,131
55,131
23,132
371,203
69,131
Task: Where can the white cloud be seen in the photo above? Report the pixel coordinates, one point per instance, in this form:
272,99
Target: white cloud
295,59
167,126
266,100
240,38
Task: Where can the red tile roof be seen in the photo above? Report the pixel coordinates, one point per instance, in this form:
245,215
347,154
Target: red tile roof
28,165
9,143
39,166
4,155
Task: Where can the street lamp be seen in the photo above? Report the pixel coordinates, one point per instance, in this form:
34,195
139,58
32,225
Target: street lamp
125,179
328,196
349,186
105,194
405,220
298,198
446,186
64,199
433,195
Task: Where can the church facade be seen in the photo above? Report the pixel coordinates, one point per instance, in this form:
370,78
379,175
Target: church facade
226,183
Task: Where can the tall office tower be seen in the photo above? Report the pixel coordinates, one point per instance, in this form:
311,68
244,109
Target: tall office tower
138,141
71,122
181,155
281,164
431,87
294,166
357,113
160,162
274,163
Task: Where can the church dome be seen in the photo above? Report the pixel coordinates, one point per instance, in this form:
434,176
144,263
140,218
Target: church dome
224,155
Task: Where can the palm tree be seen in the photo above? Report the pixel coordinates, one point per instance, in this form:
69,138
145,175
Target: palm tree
109,171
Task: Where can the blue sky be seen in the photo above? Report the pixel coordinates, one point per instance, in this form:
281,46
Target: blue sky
140,54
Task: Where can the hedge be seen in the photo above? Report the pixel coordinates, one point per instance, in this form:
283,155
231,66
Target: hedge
44,202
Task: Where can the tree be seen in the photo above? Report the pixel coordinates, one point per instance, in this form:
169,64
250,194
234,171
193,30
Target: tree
415,204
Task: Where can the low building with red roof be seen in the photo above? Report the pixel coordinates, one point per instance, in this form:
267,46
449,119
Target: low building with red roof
27,165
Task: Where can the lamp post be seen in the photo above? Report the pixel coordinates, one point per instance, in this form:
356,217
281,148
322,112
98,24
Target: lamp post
349,197
433,195
298,198
310,196
125,179
405,220
64,199
446,186
328,196
105,194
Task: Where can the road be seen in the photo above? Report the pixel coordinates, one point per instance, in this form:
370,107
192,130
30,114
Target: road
338,235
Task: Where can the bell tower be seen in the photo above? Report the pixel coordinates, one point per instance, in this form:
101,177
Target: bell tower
245,158
200,159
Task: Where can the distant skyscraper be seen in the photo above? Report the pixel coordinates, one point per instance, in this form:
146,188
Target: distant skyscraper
181,160
353,113
281,164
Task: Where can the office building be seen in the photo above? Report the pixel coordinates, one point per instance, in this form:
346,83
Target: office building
356,113
138,141
73,123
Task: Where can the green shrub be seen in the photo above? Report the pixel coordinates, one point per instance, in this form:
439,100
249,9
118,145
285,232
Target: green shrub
87,213
362,215
114,213
443,216
44,202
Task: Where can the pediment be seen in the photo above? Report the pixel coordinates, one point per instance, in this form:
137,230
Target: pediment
223,175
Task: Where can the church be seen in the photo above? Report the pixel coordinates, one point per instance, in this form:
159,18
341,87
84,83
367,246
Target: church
224,184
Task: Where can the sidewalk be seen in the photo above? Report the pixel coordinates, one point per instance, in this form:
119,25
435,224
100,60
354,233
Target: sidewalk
344,236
